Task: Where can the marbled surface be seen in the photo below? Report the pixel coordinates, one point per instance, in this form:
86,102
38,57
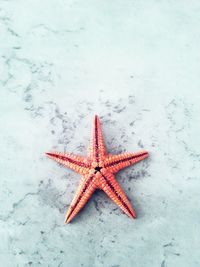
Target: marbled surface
137,65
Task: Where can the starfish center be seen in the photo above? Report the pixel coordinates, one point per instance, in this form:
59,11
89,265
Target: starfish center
97,169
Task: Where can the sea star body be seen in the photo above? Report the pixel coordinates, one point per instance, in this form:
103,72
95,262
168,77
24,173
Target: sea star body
97,172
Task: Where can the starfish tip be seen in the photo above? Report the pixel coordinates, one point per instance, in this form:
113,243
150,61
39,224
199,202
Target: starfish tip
145,154
67,220
134,216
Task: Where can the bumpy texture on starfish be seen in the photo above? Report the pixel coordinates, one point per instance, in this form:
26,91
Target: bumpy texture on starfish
97,172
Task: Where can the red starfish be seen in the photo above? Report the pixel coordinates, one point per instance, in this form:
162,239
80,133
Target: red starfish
98,171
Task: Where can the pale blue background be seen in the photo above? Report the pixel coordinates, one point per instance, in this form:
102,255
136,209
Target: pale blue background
137,65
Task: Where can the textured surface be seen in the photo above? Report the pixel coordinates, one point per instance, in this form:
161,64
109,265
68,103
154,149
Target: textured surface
136,64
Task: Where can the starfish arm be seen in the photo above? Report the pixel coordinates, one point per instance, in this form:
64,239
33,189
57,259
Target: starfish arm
84,192
77,163
117,162
111,187
97,149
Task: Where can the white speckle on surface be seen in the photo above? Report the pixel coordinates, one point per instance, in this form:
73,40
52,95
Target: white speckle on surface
136,64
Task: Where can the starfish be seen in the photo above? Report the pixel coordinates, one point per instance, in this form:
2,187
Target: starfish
97,171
